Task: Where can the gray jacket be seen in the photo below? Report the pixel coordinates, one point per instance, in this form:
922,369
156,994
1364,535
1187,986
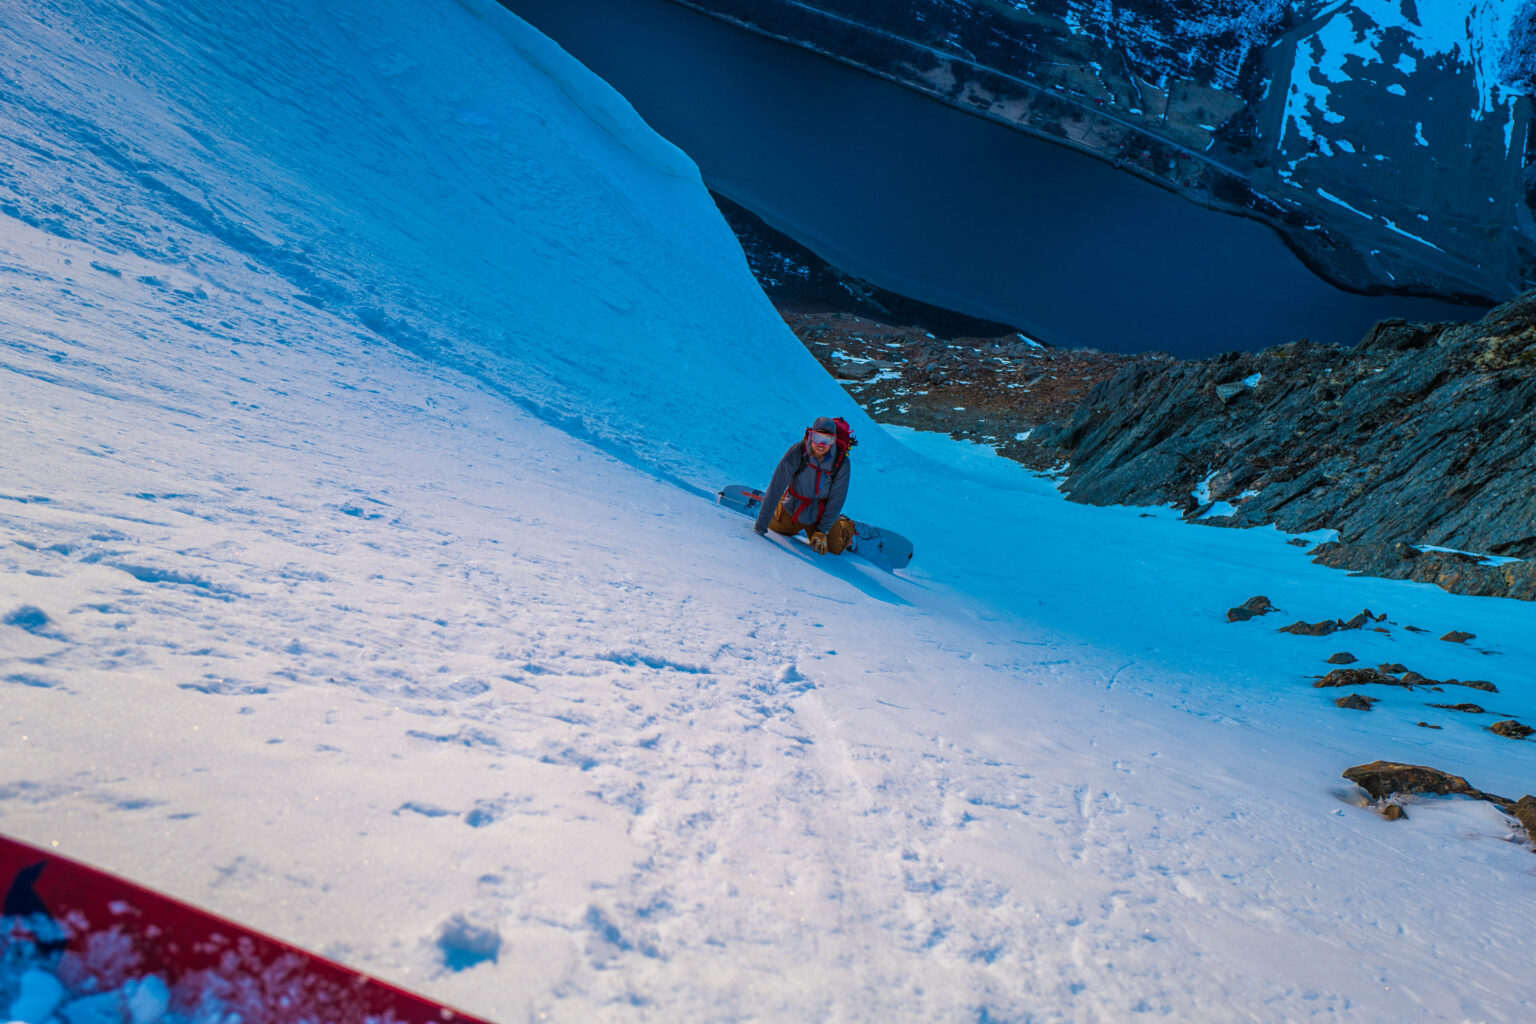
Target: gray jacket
818,481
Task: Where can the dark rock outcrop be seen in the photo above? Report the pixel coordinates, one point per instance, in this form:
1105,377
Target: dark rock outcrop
1511,728
1254,606
1359,677
995,390
1376,176
1453,571
1355,702
1422,435
1323,628
1384,779
1474,684
1342,658
1524,812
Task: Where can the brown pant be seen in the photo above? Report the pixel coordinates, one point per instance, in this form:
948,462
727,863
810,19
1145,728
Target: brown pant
837,537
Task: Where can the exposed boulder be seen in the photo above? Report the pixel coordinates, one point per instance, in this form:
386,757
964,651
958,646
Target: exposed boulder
1456,636
1254,606
1382,779
1311,628
1511,728
1359,677
1342,658
1524,811
1355,702
1412,679
848,370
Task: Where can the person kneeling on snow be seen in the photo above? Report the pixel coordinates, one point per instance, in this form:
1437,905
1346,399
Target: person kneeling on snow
809,487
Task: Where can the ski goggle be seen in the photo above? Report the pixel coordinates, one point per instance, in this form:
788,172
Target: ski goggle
817,437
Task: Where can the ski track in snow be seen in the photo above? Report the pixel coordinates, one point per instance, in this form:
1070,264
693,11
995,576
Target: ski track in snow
352,639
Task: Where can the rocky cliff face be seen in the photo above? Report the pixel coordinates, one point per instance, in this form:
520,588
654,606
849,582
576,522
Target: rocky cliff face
1422,437
1419,439
1388,141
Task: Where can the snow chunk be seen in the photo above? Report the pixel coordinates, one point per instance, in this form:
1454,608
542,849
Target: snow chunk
1219,510
1202,491
38,995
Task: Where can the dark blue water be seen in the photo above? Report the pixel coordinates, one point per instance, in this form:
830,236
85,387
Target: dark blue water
951,209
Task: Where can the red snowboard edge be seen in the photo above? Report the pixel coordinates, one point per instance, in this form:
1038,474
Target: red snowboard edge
99,932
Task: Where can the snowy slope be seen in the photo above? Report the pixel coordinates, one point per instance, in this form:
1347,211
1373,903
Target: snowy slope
364,372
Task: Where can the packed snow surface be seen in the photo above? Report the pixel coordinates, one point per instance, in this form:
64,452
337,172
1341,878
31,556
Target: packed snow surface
366,374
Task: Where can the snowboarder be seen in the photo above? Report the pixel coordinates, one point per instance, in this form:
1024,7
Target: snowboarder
809,487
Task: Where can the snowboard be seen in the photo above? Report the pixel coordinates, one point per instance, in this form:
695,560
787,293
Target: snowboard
884,548
77,943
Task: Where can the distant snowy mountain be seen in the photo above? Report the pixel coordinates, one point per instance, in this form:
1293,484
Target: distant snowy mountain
1387,140
366,371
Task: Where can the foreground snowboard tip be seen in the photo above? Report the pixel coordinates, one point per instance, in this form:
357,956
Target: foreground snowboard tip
89,944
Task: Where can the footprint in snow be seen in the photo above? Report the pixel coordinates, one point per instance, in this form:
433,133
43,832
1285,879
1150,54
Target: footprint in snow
33,620
787,679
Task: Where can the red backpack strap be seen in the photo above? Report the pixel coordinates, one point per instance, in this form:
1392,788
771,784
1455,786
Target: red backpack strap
842,453
789,489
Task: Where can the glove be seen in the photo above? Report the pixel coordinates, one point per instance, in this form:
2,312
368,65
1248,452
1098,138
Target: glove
819,542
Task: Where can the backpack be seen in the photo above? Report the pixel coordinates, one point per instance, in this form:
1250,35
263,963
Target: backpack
845,438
